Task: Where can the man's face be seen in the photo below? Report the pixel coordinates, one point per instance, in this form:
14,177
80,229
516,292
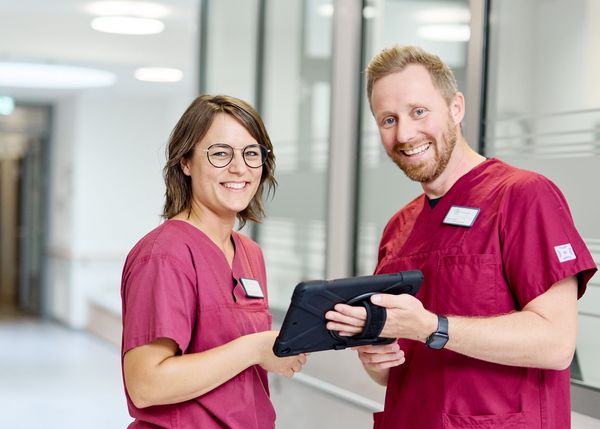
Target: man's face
415,123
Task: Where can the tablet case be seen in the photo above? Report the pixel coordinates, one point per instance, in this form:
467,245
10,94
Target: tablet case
303,328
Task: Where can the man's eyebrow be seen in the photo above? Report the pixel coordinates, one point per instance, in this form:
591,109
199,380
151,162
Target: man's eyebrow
383,114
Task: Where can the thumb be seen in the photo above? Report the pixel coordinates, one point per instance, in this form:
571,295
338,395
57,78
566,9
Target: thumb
384,300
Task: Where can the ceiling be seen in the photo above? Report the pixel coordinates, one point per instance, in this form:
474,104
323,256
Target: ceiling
59,32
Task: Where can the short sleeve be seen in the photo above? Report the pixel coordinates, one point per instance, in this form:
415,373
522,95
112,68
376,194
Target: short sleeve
159,301
540,244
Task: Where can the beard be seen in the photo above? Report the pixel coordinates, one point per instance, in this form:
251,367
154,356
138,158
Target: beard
427,171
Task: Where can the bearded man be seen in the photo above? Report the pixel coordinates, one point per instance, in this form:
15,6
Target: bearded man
488,340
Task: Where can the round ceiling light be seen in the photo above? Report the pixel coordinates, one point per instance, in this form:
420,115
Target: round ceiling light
127,25
445,32
447,15
31,75
158,74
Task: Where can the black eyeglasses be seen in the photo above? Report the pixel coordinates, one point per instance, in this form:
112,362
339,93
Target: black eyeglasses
220,155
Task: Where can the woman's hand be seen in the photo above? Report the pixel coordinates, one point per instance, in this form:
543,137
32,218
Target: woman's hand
286,366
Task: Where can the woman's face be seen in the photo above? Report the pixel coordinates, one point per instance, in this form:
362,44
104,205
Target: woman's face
228,190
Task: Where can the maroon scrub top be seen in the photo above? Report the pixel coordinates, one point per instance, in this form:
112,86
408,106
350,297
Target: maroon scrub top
177,284
521,243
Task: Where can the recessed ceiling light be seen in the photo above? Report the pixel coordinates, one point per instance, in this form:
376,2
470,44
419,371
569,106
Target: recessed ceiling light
158,74
7,105
369,12
127,25
448,15
445,33
120,8
31,75
325,10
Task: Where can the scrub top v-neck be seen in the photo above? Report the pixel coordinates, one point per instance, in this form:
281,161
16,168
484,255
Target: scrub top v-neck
178,284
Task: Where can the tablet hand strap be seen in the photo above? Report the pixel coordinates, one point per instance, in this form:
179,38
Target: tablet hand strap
376,316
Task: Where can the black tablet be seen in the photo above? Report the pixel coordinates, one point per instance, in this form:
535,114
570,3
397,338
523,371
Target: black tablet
303,328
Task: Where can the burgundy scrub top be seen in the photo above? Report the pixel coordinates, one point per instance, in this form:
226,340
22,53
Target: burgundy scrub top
521,243
177,284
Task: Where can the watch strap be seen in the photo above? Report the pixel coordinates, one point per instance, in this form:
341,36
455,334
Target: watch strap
442,325
440,337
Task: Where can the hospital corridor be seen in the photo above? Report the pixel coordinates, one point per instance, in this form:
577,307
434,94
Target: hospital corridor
91,90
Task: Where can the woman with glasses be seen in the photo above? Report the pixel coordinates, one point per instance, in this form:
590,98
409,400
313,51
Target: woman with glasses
197,343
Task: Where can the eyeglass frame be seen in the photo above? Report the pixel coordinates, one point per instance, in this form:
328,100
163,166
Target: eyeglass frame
262,149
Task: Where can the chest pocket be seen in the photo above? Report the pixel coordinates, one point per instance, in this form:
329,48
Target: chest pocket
466,285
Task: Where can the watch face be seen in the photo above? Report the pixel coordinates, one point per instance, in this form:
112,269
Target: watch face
437,340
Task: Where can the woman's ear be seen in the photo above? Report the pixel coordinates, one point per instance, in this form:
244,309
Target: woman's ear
185,167
457,108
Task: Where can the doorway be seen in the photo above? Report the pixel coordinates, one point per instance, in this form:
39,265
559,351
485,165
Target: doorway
24,137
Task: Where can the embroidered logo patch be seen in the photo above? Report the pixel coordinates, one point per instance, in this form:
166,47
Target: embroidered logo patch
565,252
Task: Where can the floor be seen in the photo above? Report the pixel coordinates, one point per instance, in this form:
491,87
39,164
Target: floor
52,377
57,378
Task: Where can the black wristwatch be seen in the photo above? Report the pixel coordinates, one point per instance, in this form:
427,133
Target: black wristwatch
439,338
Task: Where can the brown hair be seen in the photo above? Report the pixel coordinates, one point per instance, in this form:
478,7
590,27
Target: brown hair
190,129
395,59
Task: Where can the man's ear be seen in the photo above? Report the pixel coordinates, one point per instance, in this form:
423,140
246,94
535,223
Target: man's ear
184,164
457,108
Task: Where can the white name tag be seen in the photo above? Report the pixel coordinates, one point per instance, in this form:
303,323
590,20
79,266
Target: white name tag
461,216
252,288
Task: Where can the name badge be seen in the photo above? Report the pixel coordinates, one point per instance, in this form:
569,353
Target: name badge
252,288
461,216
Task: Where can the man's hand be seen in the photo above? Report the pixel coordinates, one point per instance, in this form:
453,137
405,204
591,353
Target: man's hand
378,357
406,318
346,319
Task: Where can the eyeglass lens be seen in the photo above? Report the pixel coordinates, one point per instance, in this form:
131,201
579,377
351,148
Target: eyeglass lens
220,155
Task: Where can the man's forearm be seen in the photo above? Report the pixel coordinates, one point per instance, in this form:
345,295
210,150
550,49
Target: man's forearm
542,335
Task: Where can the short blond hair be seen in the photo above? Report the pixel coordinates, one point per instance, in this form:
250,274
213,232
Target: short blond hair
395,59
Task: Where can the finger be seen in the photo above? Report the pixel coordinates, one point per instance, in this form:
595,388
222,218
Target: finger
333,326
392,301
388,364
352,311
384,300
334,316
343,318
381,357
378,348
346,334
345,326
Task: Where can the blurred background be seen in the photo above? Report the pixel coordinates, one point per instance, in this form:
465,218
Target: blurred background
90,90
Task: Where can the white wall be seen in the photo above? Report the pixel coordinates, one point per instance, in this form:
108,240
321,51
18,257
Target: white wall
106,191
